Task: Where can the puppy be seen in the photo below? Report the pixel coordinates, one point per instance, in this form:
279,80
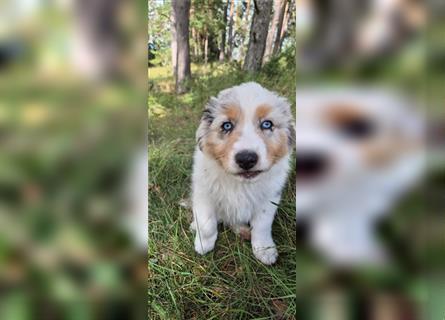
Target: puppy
241,164
357,151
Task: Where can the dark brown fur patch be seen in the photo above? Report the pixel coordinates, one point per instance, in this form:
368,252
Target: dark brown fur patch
342,113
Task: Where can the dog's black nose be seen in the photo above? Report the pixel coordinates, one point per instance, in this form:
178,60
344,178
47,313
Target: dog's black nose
310,164
246,159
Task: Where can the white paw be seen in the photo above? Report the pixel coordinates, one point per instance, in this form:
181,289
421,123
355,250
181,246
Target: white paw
266,254
204,245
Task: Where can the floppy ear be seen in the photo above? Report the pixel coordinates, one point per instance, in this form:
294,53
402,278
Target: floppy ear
285,106
206,120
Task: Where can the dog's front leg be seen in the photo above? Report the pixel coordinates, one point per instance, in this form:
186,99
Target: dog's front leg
204,223
263,245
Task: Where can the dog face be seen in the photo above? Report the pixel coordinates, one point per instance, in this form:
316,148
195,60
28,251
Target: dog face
246,129
353,143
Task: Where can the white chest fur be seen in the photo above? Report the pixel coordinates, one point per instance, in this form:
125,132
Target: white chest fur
236,201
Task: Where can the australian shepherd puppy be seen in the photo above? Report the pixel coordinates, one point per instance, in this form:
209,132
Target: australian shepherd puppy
241,164
358,150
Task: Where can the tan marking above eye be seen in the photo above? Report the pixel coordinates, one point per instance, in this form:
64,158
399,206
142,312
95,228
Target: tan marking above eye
262,111
232,112
339,114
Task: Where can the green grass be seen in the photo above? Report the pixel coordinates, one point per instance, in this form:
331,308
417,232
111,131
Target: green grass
228,283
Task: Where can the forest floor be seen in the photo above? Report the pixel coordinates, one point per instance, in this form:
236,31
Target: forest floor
228,283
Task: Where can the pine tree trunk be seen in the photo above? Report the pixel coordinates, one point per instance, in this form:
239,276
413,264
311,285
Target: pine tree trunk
96,48
248,9
278,11
195,43
222,46
258,35
244,29
230,40
281,19
182,11
287,16
206,48
174,45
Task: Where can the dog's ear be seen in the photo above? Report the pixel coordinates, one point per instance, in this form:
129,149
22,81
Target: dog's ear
208,115
285,106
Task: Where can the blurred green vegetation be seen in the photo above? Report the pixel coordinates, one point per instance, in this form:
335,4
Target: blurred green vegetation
66,147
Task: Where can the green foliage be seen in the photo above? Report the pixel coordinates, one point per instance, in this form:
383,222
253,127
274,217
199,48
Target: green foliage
159,39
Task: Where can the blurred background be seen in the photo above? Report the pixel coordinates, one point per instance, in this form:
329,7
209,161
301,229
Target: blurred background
73,83
394,44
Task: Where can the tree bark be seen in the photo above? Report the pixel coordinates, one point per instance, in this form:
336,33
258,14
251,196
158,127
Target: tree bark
174,45
222,46
275,29
281,19
181,10
97,47
244,29
195,43
287,15
258,35
230,40
206,47
248,9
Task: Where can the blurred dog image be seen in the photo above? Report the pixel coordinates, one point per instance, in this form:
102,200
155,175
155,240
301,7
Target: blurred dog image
241,164
357,151
346,32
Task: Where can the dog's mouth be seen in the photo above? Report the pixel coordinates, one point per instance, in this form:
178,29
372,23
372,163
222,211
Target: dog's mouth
249,174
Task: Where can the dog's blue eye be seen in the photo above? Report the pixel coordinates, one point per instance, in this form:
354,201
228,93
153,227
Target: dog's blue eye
266,125
227,126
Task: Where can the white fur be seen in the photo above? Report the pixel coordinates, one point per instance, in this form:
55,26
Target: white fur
343,207
219,195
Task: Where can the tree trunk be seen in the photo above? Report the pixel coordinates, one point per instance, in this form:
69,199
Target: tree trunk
283,10
258,35
244,29
198,45
287,15
96,38
174,45
230,40
181,10
278,12
195,43
248,9
222,47
206,47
